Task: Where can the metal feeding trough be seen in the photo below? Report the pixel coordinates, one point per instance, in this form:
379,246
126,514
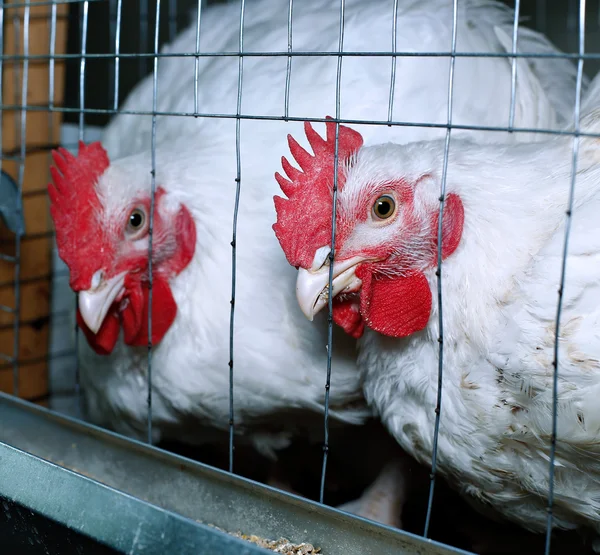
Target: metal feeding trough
67,487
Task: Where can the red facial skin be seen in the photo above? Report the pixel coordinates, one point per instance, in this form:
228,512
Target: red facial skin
89,240
131,309
400,305
393,303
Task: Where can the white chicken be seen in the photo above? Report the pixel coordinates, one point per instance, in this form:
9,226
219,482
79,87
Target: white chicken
481,91
280,359
502,247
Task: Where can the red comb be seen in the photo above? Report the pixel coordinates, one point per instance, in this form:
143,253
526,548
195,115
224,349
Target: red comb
75,207
304,218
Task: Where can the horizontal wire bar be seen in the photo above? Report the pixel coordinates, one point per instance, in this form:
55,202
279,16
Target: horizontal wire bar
36,360
302,54
5,308
8,258
31,236
503,129
36,321
36,279
12,156
42,3
43,17
7,358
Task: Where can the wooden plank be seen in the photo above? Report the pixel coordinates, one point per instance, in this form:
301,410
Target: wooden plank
33,380
37,308
31,336
42,128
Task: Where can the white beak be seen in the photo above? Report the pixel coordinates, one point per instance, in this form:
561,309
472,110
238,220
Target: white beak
96,301
312,286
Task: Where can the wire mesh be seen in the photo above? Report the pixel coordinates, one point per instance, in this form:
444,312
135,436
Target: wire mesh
21,133
4,308
115,95
236,206
331,256
563,269
151,215
115,38
438,273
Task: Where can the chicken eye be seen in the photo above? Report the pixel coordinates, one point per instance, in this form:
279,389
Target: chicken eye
136,219
384,207
136,222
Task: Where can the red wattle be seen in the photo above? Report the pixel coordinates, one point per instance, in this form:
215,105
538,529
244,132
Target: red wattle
346,314
396,307
452,226
135,316
105,340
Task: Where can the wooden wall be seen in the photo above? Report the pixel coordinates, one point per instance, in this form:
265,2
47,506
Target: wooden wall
42,129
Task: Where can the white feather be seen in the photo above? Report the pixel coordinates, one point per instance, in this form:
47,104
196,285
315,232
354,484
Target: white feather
280,359
499,310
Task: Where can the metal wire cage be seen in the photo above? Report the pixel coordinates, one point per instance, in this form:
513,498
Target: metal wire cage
65,69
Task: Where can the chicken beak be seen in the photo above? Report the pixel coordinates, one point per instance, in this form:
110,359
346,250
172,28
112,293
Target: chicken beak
312,286
95,303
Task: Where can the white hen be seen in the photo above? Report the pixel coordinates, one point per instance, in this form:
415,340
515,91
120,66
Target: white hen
279,359
503,238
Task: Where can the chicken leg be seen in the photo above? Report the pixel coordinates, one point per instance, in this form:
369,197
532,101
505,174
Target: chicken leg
381,502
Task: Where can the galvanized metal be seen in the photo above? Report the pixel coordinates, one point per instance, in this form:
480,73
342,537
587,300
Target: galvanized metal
99,519
163,498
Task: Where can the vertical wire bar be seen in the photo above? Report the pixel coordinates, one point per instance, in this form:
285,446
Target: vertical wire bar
17,73
513,78
84,28
52,67
197,59
438,273
338,86
117,58
172,19
151,222
2,84
143,43
84,25
238,182
394,60
288,72
20,176
563,271
51,79
112,20
16,87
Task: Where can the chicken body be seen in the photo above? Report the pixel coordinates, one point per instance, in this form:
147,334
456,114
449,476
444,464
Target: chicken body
279,359
503,239
499,324
196,161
